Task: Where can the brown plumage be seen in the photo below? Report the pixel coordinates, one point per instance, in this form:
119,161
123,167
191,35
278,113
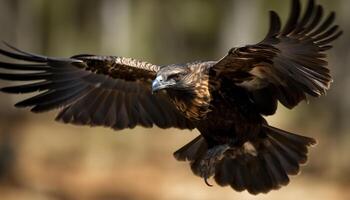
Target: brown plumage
225,100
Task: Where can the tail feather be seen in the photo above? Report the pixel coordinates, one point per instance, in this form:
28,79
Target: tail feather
192,151
278,155
275,171
293,141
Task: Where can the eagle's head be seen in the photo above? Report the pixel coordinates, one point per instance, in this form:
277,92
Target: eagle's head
173,77
187,87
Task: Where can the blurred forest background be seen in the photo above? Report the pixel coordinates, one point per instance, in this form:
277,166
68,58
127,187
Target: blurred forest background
42,159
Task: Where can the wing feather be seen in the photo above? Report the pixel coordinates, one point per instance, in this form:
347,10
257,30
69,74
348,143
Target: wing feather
293,18
91,90
289,62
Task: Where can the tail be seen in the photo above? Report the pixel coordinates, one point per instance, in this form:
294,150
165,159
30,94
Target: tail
257,166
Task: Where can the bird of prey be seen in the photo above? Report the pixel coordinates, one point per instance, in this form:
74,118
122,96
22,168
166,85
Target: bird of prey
226,100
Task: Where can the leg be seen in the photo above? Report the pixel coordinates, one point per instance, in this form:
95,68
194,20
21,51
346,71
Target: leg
208,162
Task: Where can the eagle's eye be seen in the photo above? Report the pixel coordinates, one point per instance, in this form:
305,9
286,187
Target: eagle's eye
175,77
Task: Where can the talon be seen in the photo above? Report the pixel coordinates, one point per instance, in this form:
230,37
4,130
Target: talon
207,183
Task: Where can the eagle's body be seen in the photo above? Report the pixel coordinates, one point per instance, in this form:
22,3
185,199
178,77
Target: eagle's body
238,121
226,100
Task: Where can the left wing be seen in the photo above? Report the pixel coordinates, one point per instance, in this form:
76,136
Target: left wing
287,64
92,90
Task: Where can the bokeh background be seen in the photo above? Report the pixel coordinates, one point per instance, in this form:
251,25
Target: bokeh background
43,159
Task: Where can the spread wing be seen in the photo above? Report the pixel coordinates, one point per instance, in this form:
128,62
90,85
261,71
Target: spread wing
92,90
288,64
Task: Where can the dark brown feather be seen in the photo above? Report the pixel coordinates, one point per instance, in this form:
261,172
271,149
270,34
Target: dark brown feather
86,87
288,62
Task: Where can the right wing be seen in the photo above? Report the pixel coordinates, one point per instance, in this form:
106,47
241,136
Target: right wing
92,90
288,64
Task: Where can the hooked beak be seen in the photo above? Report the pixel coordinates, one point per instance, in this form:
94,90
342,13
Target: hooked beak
159,84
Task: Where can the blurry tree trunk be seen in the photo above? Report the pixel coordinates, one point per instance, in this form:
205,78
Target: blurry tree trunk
240,26
115,33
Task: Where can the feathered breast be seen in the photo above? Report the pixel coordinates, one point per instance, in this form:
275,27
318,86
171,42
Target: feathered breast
194,102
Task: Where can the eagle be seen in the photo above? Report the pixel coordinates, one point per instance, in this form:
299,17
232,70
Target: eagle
225,100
